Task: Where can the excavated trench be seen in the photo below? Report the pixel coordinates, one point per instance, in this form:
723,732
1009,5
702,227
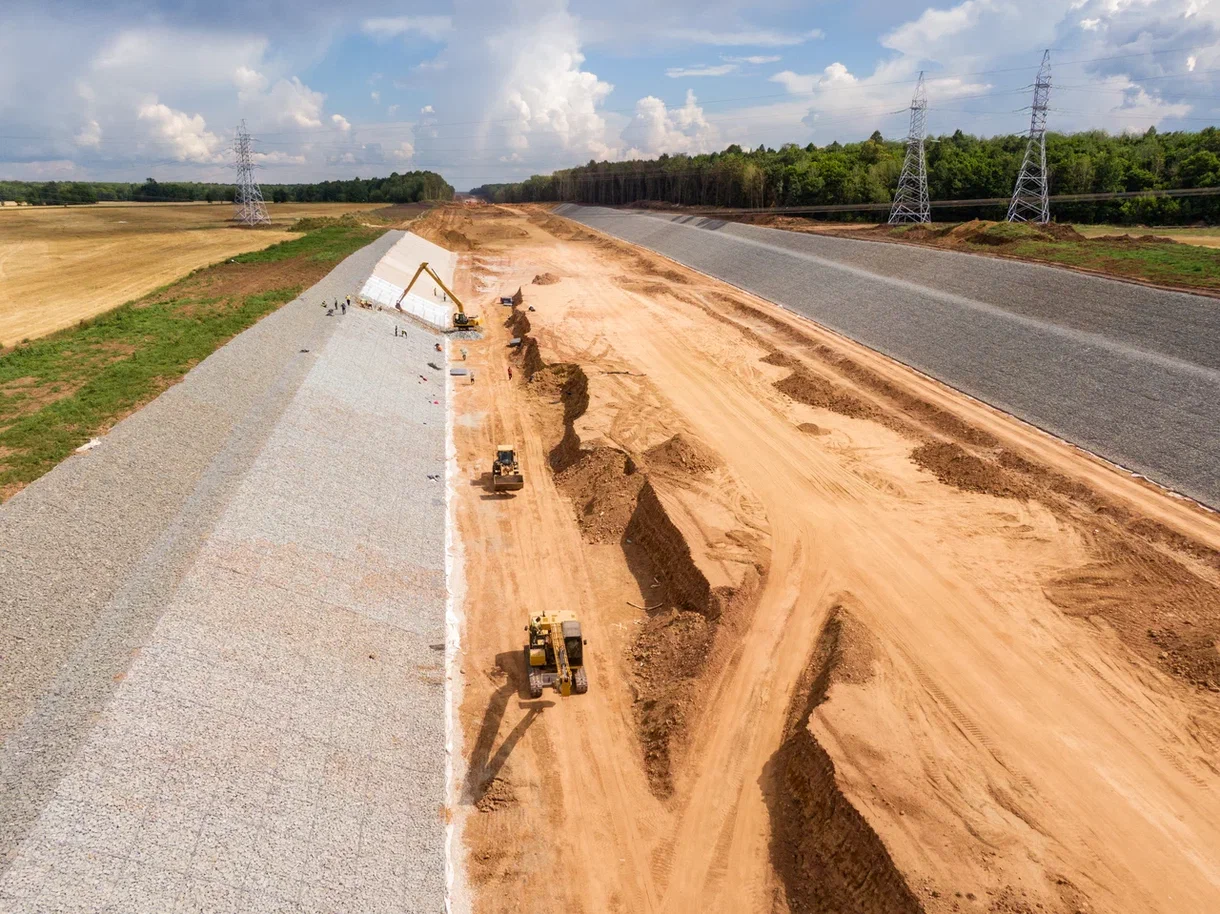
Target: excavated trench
616,500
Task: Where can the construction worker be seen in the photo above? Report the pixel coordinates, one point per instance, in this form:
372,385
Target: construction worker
510,372
349,301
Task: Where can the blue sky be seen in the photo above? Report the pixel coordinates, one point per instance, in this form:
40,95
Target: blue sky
486,91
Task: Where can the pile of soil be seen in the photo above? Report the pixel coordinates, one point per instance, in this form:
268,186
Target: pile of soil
954,467
814,390
682,455
545,279
603,485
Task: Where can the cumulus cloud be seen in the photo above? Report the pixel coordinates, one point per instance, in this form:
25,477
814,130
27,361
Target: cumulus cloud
701,70
405,152
523,86
432,27
375,96
1090,25
90,135
186,135
427,109
654,129
341,122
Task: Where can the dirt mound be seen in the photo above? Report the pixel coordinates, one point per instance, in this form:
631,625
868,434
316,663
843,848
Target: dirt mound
682,455
1155,603
810,428
828,857
603,485
498,794
667,659
1134,240
545,279
814,390
954,467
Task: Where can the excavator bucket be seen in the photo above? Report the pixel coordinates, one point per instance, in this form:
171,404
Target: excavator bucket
508,482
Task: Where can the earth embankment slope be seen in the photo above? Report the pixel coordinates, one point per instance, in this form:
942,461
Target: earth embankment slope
982,661
218,625
1126,371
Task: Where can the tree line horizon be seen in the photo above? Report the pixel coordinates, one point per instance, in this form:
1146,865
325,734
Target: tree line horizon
411,187
959,167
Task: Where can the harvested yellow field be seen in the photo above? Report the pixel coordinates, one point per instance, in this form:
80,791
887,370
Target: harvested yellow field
60,265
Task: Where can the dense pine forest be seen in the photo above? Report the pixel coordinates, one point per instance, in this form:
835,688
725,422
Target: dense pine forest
960,167
411,187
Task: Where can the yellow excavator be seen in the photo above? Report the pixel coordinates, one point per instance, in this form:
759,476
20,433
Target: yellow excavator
555,654
461,320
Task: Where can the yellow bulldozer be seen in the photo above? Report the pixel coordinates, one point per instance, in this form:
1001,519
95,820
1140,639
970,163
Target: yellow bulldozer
505,471
461,320
555,654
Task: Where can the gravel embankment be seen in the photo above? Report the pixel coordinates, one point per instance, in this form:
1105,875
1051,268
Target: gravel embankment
1129,372
222,634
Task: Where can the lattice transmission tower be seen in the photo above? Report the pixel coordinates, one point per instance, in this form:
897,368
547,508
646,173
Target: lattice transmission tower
1030,201
911,203
251,210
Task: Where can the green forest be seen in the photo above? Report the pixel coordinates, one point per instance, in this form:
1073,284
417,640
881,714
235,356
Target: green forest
960,167
411,187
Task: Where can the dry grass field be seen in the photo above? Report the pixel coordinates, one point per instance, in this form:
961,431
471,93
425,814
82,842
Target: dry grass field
60,265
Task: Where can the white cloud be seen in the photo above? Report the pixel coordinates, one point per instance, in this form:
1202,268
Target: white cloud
762,38
249,81
287,102
1190,64
375,96
427,109
1090,25
90,135
755,60
341,122
655,130
934,26
187,136
405,152
718,70
834,76
432,27
391,110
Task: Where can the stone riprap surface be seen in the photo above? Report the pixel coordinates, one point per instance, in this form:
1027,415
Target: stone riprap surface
223,636
1130,372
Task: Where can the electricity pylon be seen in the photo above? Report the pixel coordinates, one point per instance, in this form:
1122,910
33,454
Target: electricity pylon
911,203
251,210
1030,202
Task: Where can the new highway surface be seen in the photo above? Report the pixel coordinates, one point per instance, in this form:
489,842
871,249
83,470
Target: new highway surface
1128,372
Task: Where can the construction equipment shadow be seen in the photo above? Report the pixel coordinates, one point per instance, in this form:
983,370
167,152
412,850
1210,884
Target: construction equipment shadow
486,764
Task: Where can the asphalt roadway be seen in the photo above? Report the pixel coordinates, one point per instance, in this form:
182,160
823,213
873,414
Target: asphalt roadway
1126,371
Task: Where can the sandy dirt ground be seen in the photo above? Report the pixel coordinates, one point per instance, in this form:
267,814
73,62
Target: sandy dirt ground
60,265
856,643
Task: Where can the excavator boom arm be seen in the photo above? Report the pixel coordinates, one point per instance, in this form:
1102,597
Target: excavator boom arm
440,282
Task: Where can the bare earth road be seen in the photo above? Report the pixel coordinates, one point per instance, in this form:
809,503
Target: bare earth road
899,653
1129,372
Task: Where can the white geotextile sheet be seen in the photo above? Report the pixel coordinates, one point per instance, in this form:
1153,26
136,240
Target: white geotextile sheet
402,260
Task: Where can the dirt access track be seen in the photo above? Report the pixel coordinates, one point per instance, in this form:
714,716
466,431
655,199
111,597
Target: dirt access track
856,643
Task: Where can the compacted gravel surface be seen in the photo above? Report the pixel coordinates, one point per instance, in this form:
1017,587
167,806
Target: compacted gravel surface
222,635
1127,371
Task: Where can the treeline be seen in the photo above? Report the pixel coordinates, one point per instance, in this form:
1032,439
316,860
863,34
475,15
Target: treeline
411,187
960,167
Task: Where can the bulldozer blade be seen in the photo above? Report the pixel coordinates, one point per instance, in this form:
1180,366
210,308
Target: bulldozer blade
508,483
